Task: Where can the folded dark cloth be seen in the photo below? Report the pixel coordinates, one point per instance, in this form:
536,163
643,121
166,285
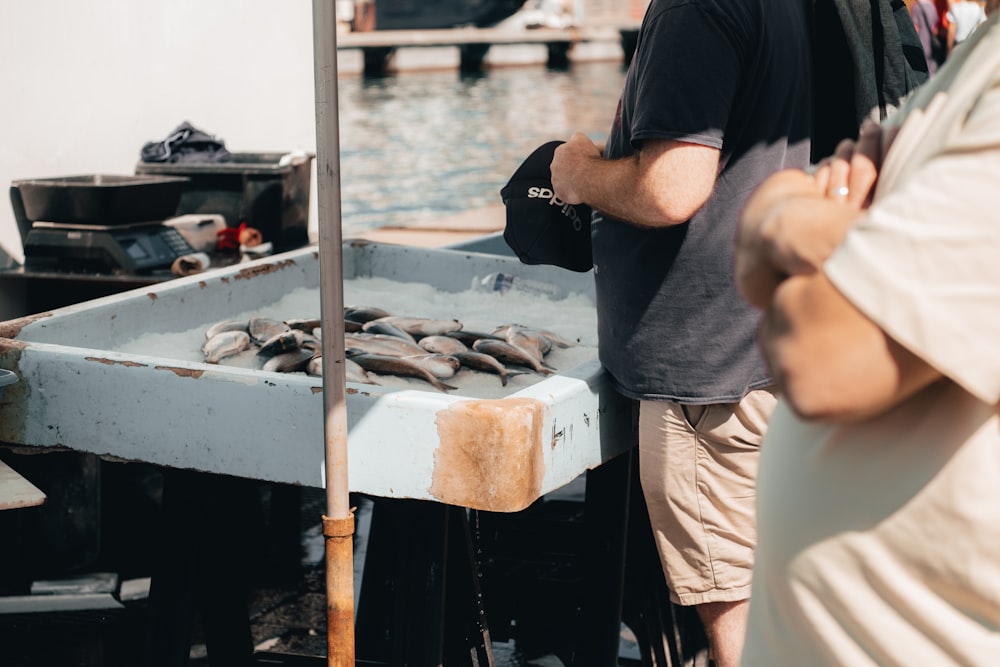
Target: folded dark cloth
187,144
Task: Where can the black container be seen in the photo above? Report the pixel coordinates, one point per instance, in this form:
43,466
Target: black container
431,14
254,188
100,199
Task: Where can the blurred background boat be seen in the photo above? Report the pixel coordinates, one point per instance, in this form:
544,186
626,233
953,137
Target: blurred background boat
363,15
428,14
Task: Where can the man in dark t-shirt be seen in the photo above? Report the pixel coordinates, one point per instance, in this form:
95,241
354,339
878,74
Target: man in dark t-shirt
717,97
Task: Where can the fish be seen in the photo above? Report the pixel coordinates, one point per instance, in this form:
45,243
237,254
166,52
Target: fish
553,338
225,325
306,325
506,353
350,326
311,342
421,326
557,340
534,344
386,328
382,344
443,366
480,361
470,337
364,313
289,362
225,344
354,372
263,328
382,364
442,344
286,341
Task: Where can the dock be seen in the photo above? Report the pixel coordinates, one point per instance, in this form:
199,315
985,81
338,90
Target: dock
442,231
379,52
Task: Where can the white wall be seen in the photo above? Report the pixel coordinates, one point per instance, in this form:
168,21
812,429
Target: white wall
85,83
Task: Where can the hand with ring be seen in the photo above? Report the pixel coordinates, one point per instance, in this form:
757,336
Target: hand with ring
850,174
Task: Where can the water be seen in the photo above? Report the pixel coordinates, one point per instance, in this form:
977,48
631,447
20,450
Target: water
421,145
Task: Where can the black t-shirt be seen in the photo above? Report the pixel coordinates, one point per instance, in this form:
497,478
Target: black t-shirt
731,74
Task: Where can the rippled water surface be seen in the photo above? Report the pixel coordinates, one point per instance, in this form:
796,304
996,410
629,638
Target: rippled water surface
425,144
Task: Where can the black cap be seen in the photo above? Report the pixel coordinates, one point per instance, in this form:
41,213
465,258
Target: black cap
541,228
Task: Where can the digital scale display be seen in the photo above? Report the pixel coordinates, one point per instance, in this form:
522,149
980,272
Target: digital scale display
134,249
131,248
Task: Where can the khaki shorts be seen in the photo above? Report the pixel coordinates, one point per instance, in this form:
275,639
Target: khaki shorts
698,468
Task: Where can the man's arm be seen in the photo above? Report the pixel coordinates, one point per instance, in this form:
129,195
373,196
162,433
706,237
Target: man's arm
788,227
662,184
795,220
829,360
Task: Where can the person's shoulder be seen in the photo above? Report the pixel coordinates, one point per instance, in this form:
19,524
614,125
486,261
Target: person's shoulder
675,14
659,8
734,19
758,10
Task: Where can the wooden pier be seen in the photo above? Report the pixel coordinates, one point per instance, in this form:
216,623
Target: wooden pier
378,48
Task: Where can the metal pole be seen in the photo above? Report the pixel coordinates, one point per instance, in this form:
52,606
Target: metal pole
338,522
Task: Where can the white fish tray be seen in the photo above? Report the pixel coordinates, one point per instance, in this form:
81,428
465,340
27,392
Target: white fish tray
83,386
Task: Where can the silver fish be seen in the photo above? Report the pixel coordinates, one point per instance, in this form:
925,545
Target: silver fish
386,328
225,344
509,354
306,325
311,342
470,337
530,340
443,366
479,361
553,338
288,362
556,339
421,326
534,344
285,341
442,344
225,325
353,372
364,313
382,344
380,363
263,328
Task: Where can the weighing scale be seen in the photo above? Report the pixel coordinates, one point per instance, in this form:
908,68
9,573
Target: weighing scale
132,248
99,223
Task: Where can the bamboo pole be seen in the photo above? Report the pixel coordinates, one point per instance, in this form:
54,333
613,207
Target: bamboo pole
338,522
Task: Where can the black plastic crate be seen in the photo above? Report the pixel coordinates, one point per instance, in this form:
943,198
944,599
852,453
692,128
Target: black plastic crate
255,188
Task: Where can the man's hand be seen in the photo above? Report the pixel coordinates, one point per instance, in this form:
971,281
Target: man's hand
764,256
794,221
817,344
850,174
570,164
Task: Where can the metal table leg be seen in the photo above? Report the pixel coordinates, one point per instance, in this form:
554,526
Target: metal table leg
419,602
606,520
205,549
